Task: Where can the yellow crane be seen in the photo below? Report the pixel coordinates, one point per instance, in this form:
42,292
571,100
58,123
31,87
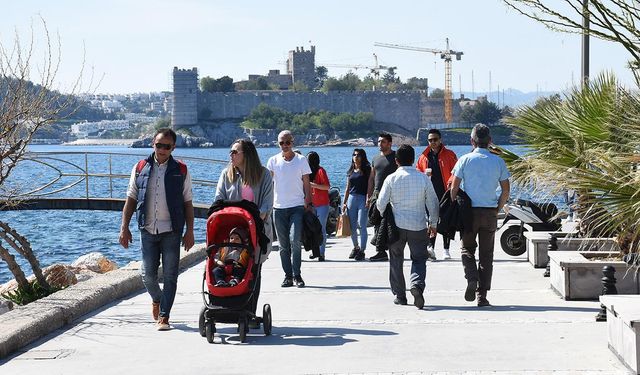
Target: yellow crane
446,55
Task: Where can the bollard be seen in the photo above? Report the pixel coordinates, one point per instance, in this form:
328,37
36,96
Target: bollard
608,287
553,246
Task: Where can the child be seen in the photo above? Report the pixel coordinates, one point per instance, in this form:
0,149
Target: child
237,256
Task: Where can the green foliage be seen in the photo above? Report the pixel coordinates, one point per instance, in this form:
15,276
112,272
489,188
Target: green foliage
266,117
164,122
33,292
587,142
483,111
437,94
255,84
300,87
222,84
348,82
321,75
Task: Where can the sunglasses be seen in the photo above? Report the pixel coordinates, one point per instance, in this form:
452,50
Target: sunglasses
431,140
288,143
358,155
234,152
163,146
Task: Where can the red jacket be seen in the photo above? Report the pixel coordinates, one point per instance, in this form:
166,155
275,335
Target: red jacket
446,159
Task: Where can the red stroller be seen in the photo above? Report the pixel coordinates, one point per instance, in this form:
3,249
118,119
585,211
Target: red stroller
232,304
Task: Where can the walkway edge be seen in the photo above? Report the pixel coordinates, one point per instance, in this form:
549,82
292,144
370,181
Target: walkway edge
26,324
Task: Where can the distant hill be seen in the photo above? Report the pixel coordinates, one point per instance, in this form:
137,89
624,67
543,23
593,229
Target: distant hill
510,97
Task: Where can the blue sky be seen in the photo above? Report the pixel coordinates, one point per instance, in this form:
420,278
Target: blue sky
134,45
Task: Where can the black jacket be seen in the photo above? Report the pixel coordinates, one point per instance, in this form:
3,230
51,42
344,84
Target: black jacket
311,233
455,215
387,231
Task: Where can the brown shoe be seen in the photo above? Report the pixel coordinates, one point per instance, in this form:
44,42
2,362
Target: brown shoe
155,310
163,324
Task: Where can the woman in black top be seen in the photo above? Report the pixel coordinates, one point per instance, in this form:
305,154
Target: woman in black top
355,201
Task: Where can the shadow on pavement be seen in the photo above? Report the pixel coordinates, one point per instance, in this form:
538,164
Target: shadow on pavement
346,287
523,308
315,336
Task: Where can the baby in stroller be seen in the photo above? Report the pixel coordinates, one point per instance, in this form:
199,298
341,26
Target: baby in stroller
232,260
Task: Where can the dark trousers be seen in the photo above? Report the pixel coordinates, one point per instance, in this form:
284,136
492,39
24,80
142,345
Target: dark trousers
220,273
417,241
485,221
445,239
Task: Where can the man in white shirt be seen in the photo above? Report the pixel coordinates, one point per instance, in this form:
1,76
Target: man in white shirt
160,193
409,192
292,196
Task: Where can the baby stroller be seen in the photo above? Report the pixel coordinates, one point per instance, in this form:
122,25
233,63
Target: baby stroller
232,304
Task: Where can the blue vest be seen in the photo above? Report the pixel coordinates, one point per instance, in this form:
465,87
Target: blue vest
173,185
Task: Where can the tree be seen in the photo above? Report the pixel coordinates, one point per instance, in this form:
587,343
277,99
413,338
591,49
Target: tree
300,86
437,94
24,109
207,84
390,76
222,84
587,142
612,20
321,75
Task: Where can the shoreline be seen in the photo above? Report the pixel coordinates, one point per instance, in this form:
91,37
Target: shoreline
101,142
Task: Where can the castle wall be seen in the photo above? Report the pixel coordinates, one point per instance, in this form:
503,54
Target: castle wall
185,97
410,110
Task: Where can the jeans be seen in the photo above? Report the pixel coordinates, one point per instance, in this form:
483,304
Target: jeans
220,273
417,241
322,213
358,217
289,230
165,246
485,222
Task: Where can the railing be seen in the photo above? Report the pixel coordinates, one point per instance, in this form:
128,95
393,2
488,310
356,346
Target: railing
74,172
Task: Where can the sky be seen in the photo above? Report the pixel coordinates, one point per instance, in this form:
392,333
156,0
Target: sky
132,46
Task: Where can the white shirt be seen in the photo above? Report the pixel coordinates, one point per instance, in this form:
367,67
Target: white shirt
409,191
158,219
288,190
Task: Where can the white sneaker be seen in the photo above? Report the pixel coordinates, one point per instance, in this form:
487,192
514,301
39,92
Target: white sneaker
446,254
431,253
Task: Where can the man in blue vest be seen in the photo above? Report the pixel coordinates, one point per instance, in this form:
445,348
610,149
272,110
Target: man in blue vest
160,193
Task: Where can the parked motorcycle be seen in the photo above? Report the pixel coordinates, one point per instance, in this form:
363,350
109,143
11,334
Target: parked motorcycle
539,216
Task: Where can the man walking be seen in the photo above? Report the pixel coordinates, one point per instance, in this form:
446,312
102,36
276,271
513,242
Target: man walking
479,174
409,192
292,195
384,164
437,162
160,193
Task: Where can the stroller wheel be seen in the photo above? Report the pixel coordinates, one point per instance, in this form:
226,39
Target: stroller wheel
210,330
201,323
266,319
243,328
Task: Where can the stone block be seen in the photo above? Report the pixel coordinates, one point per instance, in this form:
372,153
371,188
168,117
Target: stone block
95,262
623,328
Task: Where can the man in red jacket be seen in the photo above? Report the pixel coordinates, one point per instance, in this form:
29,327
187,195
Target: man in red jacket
437,162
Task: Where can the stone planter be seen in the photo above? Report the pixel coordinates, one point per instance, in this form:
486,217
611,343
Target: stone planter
576,276
537,243
623,328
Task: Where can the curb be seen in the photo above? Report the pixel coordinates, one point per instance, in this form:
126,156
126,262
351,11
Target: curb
26,324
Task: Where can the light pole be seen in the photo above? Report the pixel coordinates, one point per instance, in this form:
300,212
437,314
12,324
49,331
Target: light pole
584,76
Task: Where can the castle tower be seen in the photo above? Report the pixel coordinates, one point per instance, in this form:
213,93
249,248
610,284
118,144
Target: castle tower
301,66
185,97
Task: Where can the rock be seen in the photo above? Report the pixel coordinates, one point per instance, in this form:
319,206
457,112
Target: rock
95,262
60,275
8,286
5,305
84,274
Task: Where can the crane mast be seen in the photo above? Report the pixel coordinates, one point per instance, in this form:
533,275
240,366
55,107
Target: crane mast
446,55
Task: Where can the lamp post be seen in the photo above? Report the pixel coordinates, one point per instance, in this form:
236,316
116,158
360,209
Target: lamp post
584,76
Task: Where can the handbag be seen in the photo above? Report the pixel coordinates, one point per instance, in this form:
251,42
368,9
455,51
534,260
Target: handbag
344,226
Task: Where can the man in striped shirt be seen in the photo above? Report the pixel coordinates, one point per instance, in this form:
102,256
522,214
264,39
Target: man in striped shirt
409,192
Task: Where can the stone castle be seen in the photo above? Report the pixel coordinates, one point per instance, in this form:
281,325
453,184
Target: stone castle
409,111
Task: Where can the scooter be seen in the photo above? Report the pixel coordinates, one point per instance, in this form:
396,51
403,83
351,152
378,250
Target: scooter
538,216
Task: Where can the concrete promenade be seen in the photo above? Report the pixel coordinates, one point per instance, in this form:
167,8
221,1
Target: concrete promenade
344,322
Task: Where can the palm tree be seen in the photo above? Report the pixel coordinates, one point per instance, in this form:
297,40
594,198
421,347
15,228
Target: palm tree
588,142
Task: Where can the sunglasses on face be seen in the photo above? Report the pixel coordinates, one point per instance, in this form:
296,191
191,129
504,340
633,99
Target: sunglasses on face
234,152
357,155
431,140
163,146
288,143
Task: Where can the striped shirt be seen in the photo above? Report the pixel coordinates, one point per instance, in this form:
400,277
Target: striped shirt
409,192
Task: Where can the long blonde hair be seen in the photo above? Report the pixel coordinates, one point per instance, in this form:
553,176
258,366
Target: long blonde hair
252,168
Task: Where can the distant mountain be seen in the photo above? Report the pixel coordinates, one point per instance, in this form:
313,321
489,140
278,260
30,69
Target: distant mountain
510,97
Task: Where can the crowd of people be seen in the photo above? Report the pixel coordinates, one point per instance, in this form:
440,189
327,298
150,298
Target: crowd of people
401,200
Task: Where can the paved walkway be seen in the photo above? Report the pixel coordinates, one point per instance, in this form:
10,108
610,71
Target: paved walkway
344,321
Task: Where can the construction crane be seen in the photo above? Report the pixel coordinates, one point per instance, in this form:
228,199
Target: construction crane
375,70
446,55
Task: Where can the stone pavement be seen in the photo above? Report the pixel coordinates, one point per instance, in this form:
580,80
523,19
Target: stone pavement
344,321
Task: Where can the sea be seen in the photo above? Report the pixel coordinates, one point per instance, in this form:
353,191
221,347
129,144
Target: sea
61,236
